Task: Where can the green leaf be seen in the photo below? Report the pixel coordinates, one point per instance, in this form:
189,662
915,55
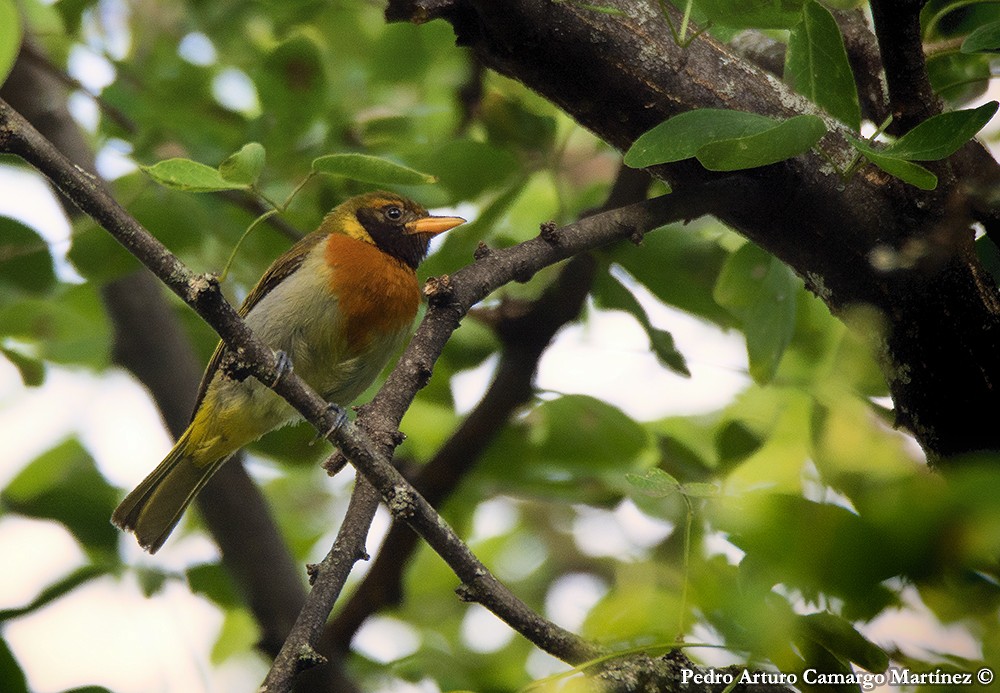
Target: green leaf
468,168
585,434
71,12
71,327
10,36
683,135
985,39
32,370
64,485
639,606
212,581
941,135
239,634
12,678
816,547
679,265
682,457
783,141
761,291
700,489
294,85
509,121
960,77
25,262
838,636
56,590
244,166
612,294
816,65
989,256
757,14
654,482
370,169
151,580
190,176
734,441
914,174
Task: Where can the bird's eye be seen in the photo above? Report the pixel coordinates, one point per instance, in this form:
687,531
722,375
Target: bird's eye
393,213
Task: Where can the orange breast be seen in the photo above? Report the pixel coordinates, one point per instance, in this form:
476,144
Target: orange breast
377,293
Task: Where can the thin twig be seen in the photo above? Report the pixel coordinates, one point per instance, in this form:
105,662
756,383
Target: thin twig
298,651
470,285
524,338
150,342
451,299
31,53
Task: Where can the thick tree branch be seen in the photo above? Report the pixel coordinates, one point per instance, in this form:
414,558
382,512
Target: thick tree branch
897,26
619,75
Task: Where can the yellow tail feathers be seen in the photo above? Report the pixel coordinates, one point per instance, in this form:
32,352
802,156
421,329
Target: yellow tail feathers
154,507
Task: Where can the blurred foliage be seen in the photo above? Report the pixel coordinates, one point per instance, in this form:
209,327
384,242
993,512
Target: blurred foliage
789,519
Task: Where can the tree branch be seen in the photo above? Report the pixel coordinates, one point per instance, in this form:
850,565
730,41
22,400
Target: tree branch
449,301
941,314
525,337
897,26
150,342
328,578
866,63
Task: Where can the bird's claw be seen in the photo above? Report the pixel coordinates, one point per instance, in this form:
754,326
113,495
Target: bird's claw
283,366
339,418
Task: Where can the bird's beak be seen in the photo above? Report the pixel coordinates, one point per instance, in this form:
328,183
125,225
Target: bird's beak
432,226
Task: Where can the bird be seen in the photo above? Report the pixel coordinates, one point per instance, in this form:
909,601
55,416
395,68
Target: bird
336,305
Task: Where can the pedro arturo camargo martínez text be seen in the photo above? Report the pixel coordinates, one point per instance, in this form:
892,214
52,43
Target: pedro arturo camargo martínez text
866,680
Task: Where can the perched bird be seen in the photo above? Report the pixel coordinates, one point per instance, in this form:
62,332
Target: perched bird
339,303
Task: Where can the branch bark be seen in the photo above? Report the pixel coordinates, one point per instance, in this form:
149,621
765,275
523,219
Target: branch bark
150,342
525,337
451,299
897,26
621,74
298,652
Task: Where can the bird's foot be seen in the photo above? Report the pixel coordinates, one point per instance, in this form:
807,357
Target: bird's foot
283,367
339,419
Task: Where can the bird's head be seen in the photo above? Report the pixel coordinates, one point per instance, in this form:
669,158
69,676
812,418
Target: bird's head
395,225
